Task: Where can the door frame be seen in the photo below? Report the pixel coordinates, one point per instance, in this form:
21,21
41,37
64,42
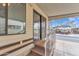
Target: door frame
34,11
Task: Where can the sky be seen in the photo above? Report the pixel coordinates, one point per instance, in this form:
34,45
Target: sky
57,22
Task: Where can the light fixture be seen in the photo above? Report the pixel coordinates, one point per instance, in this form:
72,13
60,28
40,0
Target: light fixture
4,4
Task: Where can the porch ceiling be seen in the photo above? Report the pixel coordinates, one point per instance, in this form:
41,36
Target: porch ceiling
53,9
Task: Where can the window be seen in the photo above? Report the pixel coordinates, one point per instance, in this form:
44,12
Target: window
43,24
36,26
16,18
2,20
39,26
12,18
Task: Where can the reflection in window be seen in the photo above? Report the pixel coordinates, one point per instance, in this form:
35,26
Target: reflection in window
39,27
36,26
2,26
16,18
13,15
2,20
43,20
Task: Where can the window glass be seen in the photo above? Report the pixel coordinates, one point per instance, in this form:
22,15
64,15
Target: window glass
16,18
2,20
36,26
43,24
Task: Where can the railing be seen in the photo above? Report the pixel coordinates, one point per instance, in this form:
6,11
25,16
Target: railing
50,44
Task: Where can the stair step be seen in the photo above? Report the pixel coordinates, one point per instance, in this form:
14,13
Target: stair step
40,44
32,54
41,48
38,51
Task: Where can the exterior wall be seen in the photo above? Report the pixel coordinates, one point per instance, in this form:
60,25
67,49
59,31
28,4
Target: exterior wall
29,27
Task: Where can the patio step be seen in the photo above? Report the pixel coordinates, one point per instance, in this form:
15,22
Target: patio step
38,50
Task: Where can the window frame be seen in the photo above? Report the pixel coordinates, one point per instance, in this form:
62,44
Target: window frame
6,21
34,11
41,16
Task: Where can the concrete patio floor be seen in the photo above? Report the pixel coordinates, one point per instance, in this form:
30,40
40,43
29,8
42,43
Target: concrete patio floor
66,48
